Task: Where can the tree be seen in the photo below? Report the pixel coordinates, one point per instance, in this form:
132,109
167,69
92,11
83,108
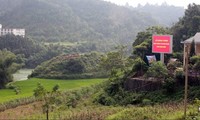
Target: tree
115,61
187,26
49,98
143,44
7,67
74,66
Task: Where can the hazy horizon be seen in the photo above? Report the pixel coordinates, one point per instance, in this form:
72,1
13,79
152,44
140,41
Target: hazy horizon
135,3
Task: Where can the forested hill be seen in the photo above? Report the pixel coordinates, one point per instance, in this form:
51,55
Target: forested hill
165,14
84,21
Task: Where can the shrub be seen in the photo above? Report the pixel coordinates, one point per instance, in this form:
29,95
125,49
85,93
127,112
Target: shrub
169,85
179,75
195,59
17,90
139,67
40,91
157,70
146,102
10,86
173,65
178,55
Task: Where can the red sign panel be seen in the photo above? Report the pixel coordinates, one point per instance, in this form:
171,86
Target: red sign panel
162,43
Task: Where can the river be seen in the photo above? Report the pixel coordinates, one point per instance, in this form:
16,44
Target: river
22,74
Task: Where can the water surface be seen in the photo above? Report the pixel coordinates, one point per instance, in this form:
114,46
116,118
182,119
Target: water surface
22,74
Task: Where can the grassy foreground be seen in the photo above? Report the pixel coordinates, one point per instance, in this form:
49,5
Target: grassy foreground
27,87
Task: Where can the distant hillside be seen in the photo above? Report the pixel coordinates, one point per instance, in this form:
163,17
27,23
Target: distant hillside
92,22
165,14
71,66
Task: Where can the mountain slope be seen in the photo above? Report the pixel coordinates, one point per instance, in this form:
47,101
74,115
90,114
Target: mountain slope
92,22
165,14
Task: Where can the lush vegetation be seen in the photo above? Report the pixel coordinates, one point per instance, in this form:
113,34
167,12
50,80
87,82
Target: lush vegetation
187,26
169,74
95,24
26,87
53,96
71,66
28,52
8,66
77,104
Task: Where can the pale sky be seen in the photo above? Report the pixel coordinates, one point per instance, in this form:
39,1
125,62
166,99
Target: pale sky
134,3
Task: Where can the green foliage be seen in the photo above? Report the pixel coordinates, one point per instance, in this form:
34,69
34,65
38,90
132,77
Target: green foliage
40,91
49,21
169,85
179,74
178,55
157,70
17,90
143,44
74,66
47,52
28,52
146,102
197,66
56,88
172,66
67,88
146,35
7,67
113,93
187,26
139,67
66,67
194,59
195,63
149,113
116,62
19,45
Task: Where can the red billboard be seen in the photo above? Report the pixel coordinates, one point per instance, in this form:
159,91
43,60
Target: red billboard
162,43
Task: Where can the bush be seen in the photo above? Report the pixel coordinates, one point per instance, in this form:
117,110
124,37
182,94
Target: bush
173,65
10,86
179,75
139,67
169,85
157,70
146,102
195,59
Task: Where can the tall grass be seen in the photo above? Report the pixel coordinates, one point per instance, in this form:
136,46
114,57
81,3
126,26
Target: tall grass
158,112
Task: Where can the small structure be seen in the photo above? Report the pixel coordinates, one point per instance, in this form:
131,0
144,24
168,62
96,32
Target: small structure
17,32
187,45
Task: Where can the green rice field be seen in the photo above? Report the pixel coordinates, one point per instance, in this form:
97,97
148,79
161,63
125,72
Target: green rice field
27,86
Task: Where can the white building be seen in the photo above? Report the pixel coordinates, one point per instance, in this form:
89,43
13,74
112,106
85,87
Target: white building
19,32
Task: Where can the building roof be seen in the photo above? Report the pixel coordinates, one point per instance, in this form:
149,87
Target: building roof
196,39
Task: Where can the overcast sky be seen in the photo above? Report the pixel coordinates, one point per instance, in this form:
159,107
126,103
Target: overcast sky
142,2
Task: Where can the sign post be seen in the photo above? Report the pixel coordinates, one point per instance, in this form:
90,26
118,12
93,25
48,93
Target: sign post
162,57
162,44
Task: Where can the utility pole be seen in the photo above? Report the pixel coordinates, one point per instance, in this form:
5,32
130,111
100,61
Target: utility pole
186,79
